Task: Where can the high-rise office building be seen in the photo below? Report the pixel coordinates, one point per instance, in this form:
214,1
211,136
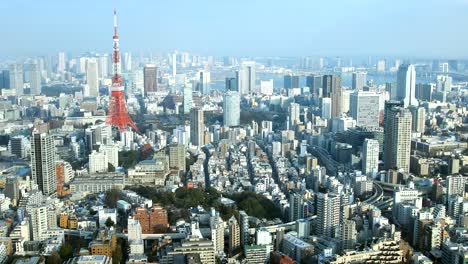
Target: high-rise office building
419,119
406,85
177,156
103,66
174,64
291,81
328,213
443,87
364,108
92,78
296,206
35,79
188,98
314,82
381,66
294,114
204,78
397,144
231,109
197,127
231,84
330,83
16,79
326,107
150,79
337,102
370,156
359,80
127,62
331,87
5,79
247,78
43,162
61,64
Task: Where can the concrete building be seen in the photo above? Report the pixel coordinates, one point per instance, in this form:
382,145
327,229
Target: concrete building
234,236
328,212
197,127
364,108
43,162
359,80
231,109
370,156
406,85
397,144
98,162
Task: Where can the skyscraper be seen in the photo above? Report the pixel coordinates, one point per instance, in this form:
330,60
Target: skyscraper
61,62
326,107
294,114
328,213
419,119
397,144
16,79
330,83
247,78
197,127
174,64
188,98
204,82
370,156
231,109
92,78
35,79
5,79
150,79
127,62
359,80
231,84
296,206
406,85
314,82
43,162
364,108
291,81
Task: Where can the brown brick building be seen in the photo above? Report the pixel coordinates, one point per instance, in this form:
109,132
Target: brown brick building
152,220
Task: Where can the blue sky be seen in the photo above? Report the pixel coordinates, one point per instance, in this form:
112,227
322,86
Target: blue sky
429,28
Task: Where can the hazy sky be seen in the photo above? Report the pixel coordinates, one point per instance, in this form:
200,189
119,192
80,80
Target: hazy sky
430,28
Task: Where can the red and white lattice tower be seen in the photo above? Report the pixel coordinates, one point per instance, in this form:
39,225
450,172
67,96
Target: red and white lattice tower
118,115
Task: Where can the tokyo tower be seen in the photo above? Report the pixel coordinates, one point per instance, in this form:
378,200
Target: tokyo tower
118,115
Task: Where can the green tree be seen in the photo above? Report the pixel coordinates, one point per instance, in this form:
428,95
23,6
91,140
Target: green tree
109,222
66,251
117,255
112,196
54,259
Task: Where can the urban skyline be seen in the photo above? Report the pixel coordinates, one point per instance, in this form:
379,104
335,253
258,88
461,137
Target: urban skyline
181,157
